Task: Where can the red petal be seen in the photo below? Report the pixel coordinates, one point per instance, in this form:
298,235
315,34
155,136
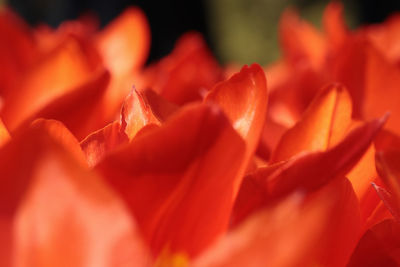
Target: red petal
390,201
300,41
374,73
161,108
187,73
328,219
98,232
48,80
388,167
334,24
306,172
379,246
387,140
178,179
80,108
244,99
26,147
385,37
136,113
17,160
17,50
322,125
313,168
98,144
124,44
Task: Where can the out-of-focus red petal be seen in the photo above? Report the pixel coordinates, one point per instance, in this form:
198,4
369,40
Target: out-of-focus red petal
83,27
187,73
17,49
98,144
47,80
334,25
136,113
124,44
387,140
380,74
388,167
380,246
17,158
300,41
178,179
60,134
385,37
376,79
4,135
329,222
322,125
69,217
80,109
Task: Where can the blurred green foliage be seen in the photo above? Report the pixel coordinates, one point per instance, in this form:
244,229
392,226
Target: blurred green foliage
246,31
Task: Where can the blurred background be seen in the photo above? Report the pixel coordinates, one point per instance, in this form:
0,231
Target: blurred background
242,31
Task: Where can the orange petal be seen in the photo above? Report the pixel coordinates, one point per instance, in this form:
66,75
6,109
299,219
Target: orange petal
310,171
125,43
244,99
322,125
178,179
379,246
329,218
80,108
364,173
136,113
47,80
99,231
100,143
187,73
4,135
307,172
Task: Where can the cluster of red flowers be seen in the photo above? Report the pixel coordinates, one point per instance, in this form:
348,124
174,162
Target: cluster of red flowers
107,162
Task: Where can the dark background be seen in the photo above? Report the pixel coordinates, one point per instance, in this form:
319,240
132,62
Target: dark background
169,19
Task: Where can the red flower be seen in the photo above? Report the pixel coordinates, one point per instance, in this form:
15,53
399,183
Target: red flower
187,167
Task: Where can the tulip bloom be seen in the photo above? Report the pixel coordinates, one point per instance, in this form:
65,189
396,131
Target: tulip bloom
107,162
